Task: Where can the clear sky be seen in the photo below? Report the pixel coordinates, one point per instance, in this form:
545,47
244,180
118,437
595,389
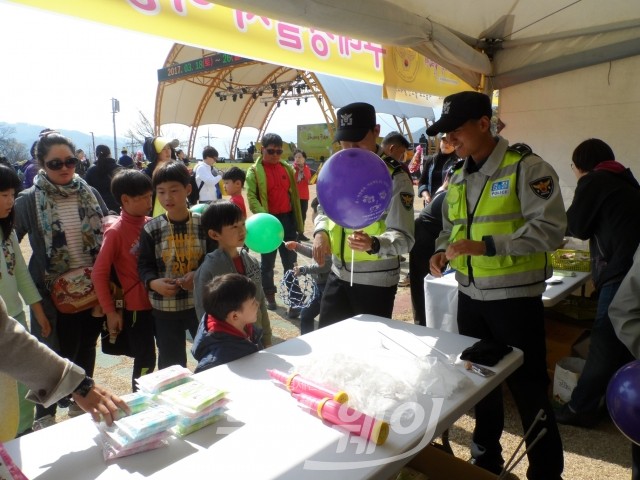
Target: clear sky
62,72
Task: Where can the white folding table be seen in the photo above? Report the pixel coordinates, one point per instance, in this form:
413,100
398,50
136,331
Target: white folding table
441,296
265,435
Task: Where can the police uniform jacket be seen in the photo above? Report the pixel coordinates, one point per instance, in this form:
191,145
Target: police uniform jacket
542,208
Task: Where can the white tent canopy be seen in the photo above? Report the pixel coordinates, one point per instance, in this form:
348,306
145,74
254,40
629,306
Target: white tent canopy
566,69
189,101
196,100
509,41
342,91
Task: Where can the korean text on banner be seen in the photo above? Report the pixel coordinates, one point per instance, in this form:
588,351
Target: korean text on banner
206,25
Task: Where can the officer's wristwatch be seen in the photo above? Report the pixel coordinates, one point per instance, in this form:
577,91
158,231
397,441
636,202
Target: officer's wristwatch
375,246
85,386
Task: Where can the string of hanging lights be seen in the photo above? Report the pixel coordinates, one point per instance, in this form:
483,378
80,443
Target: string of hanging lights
295,90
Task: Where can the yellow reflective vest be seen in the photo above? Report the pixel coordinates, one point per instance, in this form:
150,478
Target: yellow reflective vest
498,212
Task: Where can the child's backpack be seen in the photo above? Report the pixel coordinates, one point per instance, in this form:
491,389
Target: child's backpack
194,196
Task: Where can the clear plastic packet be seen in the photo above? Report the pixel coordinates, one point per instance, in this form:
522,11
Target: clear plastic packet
116,437
192,415
164,379
192,397
136,398
137,401
148,422
183,430
186,421
110,451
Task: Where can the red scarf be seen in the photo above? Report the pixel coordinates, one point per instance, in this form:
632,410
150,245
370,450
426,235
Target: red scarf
215,325
610,166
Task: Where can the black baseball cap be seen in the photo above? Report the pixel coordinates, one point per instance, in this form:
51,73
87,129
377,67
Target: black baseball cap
458,108
354,121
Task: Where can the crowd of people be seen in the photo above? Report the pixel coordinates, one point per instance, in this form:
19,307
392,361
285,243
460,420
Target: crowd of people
492,211
119,223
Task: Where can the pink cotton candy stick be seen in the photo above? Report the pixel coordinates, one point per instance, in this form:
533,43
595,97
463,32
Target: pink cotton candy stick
298,384
346,417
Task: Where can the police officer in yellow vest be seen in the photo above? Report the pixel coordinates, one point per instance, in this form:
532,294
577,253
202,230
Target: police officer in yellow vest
502,213
376,248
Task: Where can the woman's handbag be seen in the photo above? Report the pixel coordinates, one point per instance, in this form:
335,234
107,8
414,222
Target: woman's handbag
73,291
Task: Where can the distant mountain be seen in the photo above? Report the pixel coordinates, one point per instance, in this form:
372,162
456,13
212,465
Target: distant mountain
26,133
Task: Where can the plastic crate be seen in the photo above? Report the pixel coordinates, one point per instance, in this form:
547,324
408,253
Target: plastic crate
575,260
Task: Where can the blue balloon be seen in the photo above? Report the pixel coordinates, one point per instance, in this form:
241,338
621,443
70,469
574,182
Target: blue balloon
354,188
623,400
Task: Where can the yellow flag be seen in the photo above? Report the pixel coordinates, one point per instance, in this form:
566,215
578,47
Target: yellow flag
412,78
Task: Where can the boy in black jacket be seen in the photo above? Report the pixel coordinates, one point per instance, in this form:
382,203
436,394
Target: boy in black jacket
227,332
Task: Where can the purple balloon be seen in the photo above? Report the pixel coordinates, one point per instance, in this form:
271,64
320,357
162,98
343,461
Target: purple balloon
354,188
623,400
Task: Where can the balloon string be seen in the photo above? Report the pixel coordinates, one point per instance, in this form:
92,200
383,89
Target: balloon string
351,284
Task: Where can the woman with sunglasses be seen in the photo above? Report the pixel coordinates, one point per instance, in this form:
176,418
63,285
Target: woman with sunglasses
63,217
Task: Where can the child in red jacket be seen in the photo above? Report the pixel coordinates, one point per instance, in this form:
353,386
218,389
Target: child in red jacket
133,191
302,175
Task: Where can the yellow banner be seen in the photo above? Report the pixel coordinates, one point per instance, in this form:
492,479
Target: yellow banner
213,27
412,78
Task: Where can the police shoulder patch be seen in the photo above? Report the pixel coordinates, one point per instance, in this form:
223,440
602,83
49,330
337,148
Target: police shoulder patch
407,200
542,187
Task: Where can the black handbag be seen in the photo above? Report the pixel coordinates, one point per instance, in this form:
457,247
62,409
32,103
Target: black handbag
117,344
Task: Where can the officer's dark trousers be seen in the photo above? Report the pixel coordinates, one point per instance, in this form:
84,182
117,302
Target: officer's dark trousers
340,300
518,322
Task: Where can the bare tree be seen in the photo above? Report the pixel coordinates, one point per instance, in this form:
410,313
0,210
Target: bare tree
6,135
142,129
15,151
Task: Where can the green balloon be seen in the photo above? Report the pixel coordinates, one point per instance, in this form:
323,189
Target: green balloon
264,233
199,208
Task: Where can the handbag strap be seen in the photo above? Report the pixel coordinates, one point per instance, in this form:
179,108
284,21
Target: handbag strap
116,280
